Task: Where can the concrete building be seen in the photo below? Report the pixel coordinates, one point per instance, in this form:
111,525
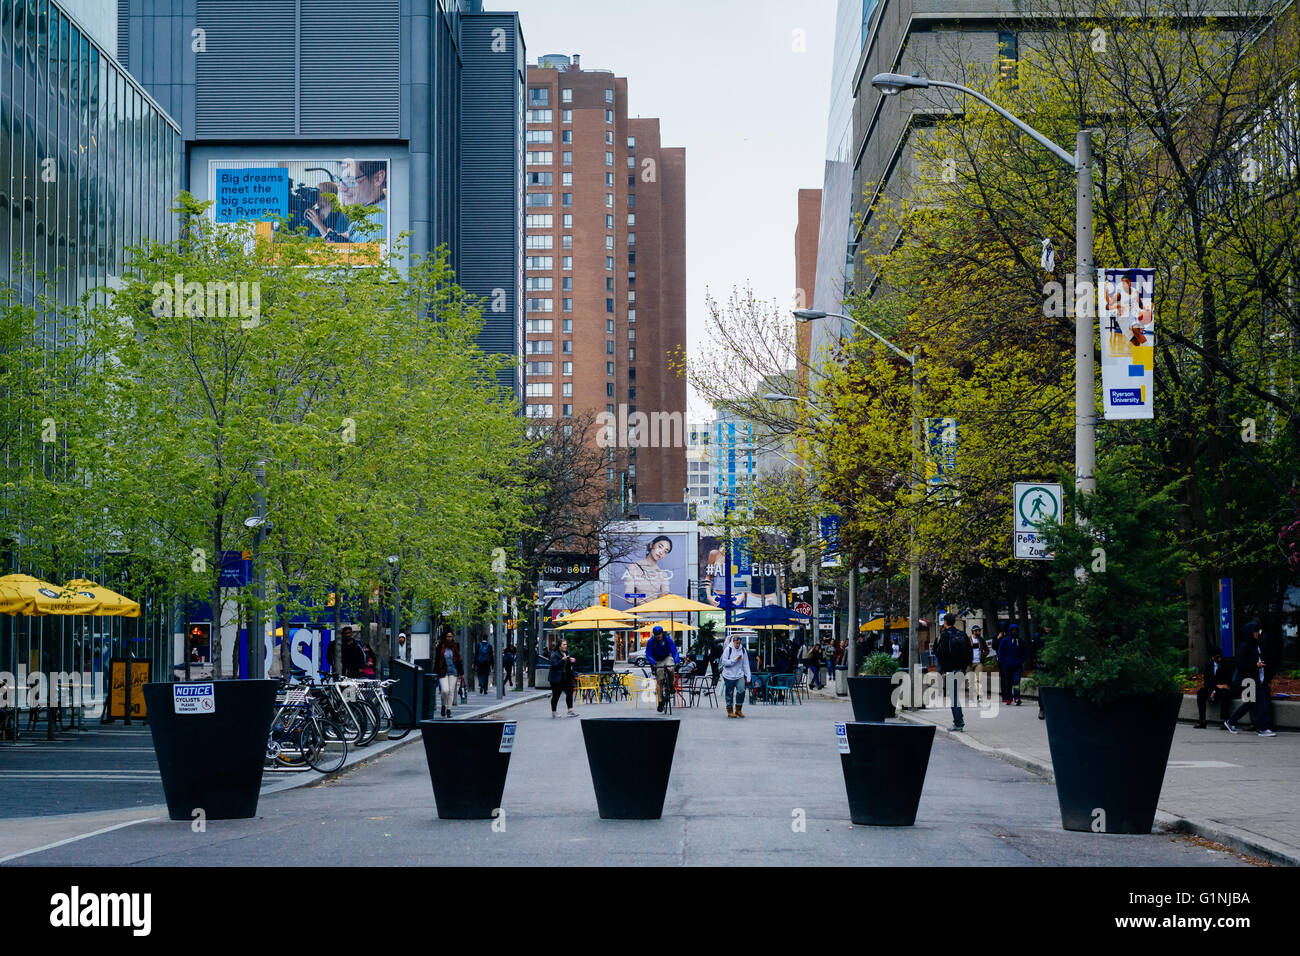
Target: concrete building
605,285
807,228
412,107
700,472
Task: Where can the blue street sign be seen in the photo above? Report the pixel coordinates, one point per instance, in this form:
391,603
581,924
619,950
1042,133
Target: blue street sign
637,596
1225,617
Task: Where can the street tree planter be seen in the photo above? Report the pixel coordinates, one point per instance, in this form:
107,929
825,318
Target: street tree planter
631,759
884,771
211,759
468,761
872,698
1109,761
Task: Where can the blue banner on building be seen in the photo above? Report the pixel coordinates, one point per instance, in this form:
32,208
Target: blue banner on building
1225,617
830,534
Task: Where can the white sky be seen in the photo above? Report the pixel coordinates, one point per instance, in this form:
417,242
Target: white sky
726,81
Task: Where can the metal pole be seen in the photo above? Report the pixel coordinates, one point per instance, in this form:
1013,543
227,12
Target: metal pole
1085,396
726,538
498,628
393,649
914,570
851,654
256,642
816,604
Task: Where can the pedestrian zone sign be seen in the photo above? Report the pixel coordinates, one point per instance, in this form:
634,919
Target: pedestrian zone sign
1036,504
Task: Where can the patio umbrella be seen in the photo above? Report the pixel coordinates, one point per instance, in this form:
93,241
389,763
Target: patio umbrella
13,601
111,604
595,618
46,598
878,624
670,604
770,615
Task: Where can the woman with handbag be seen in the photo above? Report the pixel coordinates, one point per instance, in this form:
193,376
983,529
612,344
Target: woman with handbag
448,666
561,675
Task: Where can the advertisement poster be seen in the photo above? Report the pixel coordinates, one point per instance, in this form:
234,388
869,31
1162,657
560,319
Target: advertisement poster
830,535
1126,316
941,457
712,570
310,193
653,565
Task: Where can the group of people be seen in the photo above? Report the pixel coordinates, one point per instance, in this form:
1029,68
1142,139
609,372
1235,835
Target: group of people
1225,680
453,676
956,651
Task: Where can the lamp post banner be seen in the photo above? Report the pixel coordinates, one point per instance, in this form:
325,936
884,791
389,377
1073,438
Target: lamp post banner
1126,316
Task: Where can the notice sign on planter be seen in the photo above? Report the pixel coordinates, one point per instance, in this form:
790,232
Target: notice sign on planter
842,738
507,737
194,698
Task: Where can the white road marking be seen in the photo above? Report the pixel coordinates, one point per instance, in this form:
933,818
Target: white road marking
83,836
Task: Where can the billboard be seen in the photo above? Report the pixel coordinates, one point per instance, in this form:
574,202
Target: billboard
651,566
1128,335
310,194
941,457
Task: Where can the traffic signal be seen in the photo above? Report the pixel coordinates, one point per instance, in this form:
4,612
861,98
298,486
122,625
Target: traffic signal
199,638
604,600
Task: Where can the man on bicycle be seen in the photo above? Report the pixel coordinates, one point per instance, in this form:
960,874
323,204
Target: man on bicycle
658,653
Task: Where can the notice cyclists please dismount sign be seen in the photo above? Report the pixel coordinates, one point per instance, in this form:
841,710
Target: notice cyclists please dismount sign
194,699
1036,504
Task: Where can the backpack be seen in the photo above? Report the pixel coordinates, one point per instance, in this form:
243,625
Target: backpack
483,655
956,650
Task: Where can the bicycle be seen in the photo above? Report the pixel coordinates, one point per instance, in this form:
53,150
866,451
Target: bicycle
391,712
301,735
339,702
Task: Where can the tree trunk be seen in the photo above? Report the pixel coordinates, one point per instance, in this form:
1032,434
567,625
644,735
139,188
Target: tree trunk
214,607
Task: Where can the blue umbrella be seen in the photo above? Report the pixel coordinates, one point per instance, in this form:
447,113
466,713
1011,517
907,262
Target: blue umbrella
770,615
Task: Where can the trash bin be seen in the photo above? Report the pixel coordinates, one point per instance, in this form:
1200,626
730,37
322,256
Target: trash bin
428,697
841,681
407,690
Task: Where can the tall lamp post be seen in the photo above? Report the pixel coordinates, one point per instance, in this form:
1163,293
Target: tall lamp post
914,569
1085,418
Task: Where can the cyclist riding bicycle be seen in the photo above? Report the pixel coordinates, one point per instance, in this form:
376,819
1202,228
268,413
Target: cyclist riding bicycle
658,651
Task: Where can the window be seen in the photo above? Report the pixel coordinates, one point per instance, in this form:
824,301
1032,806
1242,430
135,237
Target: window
566,116
631,142
538,283
539,305
567,411
609,389
609,472
631,162
566,179
567,262
568,242
538,390
539,221
609,222
609,326
568,158
609,283
539,179
631,219
609,96
1008,54
609,158
609,200
609,368
609,180
538,136
540,368
609,348
566,199
566,136
539,116
568,324
631,200
539,242
566,368
631,238
568,307
609,305
631,182
566,283
609,262
567,348
631,335
537,199
631,315
631,375
568,220
631,275
539,96
566,390
609,244
540,411
631,258
539,347
609,116
631,297
631,355
539,262
609,137
631,393
566,95
544,158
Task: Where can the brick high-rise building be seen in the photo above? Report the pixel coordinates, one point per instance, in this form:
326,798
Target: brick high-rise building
805,276
605,272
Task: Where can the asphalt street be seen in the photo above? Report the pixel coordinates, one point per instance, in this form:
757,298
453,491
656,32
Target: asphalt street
738,793
103,768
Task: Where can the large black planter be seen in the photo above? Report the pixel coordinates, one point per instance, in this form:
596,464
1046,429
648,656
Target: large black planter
1109,759
631,759
466,766
872,698
884,771
212,761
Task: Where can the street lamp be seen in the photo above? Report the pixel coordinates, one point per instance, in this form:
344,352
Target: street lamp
393,649
914,569
1085,421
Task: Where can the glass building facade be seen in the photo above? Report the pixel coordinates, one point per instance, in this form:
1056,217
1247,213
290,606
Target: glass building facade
89,167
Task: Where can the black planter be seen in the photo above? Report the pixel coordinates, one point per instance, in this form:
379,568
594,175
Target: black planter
212,761
884,771
631,759
872,698
466,766
1111,759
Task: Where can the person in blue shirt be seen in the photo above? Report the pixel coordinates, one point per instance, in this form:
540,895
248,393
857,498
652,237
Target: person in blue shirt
657,652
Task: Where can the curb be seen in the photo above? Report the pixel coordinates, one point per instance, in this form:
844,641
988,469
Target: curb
1241,841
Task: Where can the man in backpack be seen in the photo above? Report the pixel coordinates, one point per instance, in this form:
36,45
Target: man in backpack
955,654
662,655
483,664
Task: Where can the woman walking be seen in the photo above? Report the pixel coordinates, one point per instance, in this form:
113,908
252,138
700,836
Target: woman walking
561,675
448,666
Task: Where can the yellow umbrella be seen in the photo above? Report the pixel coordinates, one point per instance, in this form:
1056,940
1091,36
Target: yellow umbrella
111,604
669,625
597,615
48,598
878,624
670,604
591,626
13,601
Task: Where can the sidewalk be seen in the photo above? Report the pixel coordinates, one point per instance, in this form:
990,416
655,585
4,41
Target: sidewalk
1236,790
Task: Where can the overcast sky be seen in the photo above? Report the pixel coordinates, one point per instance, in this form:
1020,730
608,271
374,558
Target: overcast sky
747,95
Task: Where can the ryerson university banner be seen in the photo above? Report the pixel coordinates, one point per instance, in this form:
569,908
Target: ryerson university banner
1126,317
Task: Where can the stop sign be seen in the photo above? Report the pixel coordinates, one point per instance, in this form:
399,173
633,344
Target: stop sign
803,607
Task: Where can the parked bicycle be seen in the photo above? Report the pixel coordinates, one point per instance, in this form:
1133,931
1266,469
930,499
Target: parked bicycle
396,719
301,734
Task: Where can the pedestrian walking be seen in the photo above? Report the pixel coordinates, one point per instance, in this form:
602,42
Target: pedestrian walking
1255,669
977,655
953,652
736,675
448,667
1216,685
483,664
814,663
715,659
353,657
371,661
1011,661
508,657
561,676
